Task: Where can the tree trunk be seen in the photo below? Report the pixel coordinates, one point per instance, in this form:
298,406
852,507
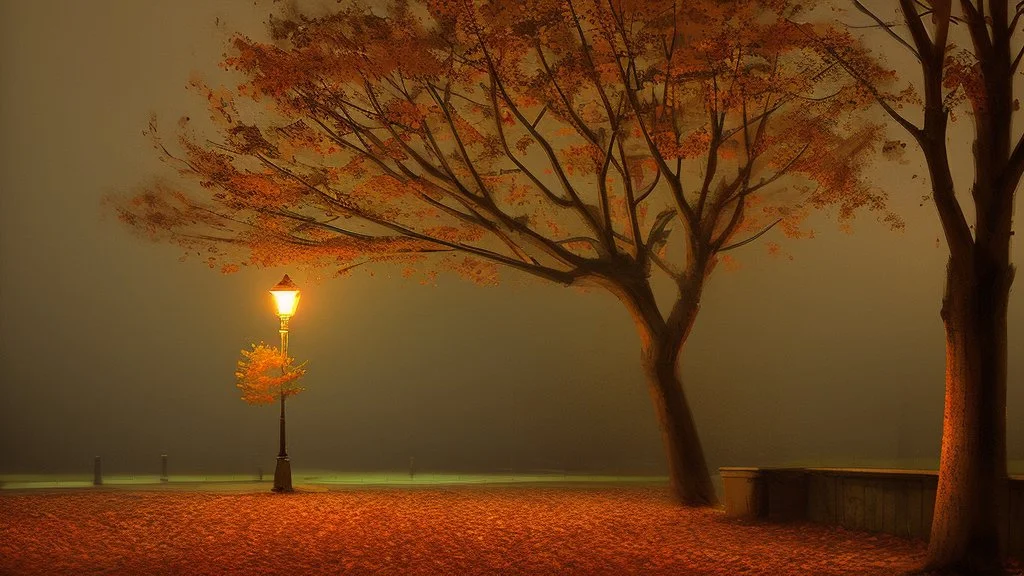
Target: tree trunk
966,529
661,344
687,467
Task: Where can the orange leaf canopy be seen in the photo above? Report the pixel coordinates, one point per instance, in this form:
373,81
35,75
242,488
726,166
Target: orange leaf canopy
541,135
262,378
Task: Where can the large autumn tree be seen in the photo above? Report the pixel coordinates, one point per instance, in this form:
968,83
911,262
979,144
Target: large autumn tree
584,142
967,56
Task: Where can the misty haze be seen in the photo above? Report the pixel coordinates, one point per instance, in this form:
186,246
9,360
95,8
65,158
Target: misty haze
807,352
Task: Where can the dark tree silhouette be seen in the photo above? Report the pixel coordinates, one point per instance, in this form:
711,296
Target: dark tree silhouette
967,63
585,142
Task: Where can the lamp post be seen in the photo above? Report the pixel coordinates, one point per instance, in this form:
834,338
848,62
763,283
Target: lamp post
286,297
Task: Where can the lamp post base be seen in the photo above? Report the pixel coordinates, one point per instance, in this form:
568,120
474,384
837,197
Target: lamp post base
283,475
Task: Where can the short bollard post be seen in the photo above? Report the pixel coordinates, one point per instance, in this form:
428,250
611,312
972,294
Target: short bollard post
163,467
412,466
97,472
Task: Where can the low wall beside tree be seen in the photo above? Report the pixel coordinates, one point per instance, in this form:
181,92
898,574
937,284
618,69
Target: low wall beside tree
896,502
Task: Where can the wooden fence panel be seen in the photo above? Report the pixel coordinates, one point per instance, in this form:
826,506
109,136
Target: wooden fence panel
915,510
900,517
900,502
853,503
889,490
873,506
927,508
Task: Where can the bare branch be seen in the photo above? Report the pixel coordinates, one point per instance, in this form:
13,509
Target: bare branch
976,23
634,221
675,185
711,162
924,44
751,239
1019,11
539,116
906,124
650,188
888,28
781,172
1015,167
673,273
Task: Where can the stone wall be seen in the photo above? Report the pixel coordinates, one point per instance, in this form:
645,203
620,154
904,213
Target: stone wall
897,502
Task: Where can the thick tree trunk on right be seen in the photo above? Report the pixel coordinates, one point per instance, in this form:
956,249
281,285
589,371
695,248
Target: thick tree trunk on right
970,502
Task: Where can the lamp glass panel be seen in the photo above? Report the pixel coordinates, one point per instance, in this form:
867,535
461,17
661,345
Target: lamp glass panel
286,300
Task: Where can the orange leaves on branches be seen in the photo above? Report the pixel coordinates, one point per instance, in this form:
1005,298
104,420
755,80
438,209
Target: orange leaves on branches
535,134
264,375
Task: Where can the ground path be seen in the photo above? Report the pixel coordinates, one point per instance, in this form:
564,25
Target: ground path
437,531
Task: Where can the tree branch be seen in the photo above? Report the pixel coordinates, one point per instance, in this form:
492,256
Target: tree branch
888,28
749,240
906,124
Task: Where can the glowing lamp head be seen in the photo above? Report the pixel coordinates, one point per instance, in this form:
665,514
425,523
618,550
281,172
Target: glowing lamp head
286,296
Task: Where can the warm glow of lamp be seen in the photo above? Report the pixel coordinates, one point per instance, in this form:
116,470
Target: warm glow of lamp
286,296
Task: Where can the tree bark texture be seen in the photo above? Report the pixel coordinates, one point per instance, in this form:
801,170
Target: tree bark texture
661,345
970,504
688,469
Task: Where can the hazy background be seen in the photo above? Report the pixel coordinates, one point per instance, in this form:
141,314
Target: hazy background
109,346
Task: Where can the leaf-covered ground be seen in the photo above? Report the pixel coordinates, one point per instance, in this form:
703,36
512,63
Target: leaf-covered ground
492,530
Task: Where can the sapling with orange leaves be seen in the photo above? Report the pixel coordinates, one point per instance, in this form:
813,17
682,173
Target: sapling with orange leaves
264,375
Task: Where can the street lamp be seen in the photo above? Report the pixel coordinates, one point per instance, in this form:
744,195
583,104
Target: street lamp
286,297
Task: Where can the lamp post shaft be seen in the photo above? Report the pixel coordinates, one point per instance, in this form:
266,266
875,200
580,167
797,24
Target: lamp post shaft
283,453
283,470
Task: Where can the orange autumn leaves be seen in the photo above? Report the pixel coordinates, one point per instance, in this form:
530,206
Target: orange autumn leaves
467,136
264,375
483,530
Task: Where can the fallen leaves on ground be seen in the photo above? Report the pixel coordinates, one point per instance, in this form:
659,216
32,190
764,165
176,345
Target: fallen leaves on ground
464,531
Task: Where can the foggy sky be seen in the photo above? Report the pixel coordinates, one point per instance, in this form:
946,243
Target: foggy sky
110,346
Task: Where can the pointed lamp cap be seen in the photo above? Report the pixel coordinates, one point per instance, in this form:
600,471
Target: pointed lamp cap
286,296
